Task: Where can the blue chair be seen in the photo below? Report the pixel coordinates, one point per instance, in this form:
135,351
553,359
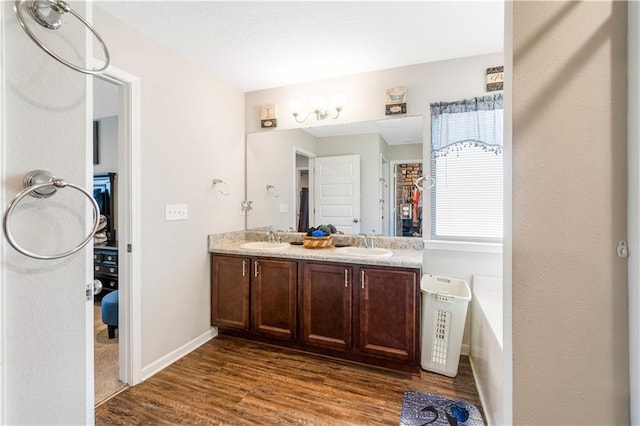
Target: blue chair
110,312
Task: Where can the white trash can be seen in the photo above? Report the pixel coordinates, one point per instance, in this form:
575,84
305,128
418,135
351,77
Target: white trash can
444,313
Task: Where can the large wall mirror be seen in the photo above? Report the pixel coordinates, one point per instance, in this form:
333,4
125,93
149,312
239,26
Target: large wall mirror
357,176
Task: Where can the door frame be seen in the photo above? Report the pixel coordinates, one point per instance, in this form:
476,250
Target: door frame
296,183
633,207
129,217
384,182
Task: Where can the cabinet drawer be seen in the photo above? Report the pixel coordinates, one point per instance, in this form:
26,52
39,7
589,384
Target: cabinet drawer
108,282
106,269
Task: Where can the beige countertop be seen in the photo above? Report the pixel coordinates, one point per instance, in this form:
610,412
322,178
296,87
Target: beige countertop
407,256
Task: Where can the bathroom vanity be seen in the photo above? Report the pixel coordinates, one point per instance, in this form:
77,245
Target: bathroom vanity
363,309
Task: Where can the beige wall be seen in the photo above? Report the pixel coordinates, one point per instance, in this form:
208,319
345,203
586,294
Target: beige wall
271,160
569,186
192,131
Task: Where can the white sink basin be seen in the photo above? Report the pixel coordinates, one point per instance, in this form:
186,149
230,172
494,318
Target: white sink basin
264,245
364,252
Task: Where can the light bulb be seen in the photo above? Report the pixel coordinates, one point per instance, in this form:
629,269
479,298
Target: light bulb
339,100
295,106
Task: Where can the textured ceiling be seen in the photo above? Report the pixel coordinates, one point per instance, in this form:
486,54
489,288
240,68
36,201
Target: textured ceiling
259,45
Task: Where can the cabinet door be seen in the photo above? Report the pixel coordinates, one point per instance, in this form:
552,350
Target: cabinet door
326,305
230,292
273,298
389,313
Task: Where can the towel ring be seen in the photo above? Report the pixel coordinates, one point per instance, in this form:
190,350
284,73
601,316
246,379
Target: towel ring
419,183
273,191
225,191
43,184
53,21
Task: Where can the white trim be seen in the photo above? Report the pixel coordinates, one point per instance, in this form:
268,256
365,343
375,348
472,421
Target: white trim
633,208
487,416
89,375
466,246
183,350
130,314
465,349
3,169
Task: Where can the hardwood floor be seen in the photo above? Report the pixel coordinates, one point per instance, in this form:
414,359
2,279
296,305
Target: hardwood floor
234,381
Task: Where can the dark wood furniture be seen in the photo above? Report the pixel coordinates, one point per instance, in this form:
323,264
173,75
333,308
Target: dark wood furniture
105,267
361,313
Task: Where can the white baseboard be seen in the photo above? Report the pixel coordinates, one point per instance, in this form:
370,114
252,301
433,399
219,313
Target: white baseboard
487,416
464,349
183,350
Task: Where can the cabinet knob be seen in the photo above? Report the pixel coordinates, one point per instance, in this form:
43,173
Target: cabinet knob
346,278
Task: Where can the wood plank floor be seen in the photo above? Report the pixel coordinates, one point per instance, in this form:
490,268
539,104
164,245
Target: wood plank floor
234,381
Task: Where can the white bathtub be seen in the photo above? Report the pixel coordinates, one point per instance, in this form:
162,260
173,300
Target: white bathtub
486,344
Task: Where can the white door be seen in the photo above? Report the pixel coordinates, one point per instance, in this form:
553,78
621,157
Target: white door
337,192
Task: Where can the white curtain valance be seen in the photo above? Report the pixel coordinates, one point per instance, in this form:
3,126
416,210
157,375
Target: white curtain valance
471,122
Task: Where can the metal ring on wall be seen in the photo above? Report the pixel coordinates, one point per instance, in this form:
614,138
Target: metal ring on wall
35,187
420,181
53,21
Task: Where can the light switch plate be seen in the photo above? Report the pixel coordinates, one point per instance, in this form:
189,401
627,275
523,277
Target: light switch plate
176,212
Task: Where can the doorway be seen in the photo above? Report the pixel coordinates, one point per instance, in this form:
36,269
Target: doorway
118,157
106,242
303,188
407,211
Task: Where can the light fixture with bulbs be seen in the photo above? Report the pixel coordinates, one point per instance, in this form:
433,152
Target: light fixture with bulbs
318,108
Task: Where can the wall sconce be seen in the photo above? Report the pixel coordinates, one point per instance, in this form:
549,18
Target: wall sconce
318,108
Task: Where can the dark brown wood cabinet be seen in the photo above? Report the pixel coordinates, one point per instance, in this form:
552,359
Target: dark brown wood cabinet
273,298
389,313
362,313
327,305
230,292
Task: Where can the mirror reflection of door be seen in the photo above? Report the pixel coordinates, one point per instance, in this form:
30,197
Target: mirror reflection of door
408,199
337,192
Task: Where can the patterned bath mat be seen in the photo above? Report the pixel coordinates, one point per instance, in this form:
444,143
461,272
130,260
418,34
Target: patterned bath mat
420,409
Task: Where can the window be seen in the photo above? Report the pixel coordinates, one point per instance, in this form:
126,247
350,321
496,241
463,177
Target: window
466,163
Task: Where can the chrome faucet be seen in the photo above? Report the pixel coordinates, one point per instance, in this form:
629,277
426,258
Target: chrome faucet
273,237
370,241
367,241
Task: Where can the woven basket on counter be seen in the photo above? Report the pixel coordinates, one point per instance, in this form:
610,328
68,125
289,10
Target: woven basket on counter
317,242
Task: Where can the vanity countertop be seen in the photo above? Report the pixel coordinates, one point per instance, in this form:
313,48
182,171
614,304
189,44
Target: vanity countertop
405,257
